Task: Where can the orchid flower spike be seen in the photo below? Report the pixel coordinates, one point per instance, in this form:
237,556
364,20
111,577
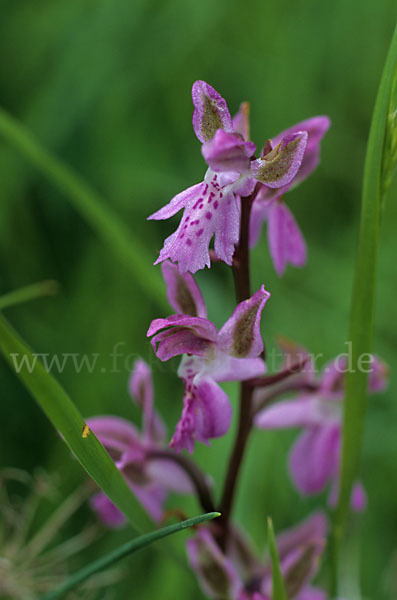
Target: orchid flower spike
212,208
208,355
151,480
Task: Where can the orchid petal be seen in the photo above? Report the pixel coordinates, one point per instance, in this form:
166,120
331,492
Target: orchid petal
286,242
228,368
116,434
183,292
316,128
169,475
210,111
241,121
314,458
206,414
279,166
107,512
302,412
214,211
178,202
152,498
228,152
141,388
217,574
311,593
312,528
240,335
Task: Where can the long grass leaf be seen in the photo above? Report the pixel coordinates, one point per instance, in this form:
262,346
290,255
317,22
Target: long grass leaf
378,167
68,421
91,206
28,293
123,551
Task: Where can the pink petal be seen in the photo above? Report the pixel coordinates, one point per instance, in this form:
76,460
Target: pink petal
152,498
141,388
280,165
303,412
228,368
108,512
315,527
316,128
314,458
206,414
241,121
286,242
177,341
379,375
228,152
178,202
169,475
217,574
116,434
312,593
214,211
202,327
183,292
241,335
210,111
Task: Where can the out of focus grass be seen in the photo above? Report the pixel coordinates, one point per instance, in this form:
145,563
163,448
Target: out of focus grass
106,86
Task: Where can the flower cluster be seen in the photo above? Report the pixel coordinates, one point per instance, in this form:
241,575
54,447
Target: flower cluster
239,575
239,192
212,208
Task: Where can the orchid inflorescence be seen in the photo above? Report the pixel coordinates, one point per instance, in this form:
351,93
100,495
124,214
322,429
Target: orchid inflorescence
238,194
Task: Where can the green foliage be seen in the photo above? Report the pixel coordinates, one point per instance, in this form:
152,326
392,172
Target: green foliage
278,587
123,551
105,87
67,420
363,299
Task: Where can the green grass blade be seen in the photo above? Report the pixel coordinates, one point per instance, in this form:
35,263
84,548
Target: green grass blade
378,166
91,206
123,551
66,419
278,587
28,293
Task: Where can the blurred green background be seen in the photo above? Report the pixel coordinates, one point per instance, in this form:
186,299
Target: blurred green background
105,85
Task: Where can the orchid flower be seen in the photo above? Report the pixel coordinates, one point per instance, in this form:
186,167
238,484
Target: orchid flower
225,576
315,457
209,355
286,243
213,206
148,478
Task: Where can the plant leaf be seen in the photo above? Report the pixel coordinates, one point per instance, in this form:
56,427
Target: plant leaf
278,587
91,206
68,421
363,297
30,292
123,551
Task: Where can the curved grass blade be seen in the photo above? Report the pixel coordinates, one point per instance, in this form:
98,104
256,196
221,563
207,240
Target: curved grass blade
377,171
123,551
68,421
91,206
278,587
30,292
